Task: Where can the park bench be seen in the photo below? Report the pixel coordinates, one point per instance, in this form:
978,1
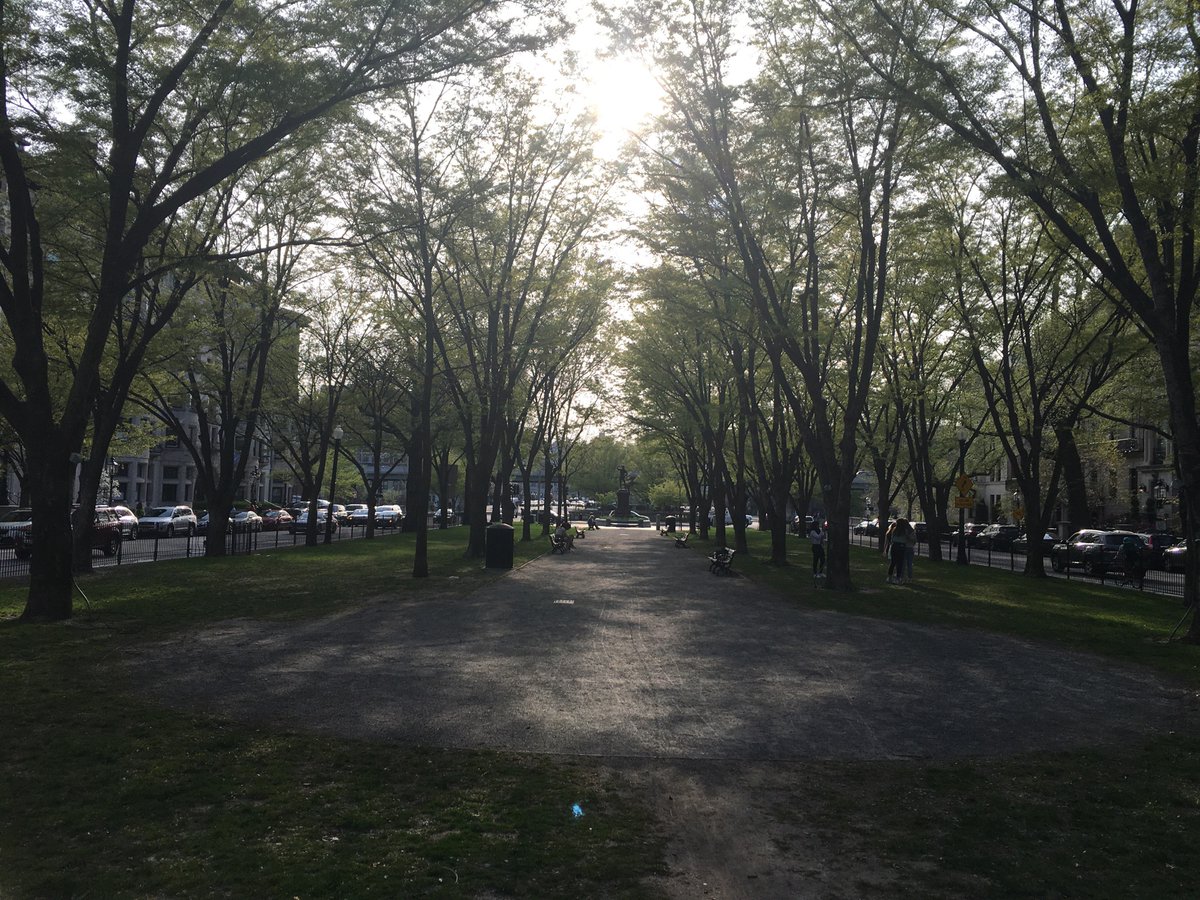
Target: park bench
720,563
558,545
681,539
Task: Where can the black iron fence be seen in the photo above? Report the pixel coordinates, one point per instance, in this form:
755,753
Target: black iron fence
1157,580
133,551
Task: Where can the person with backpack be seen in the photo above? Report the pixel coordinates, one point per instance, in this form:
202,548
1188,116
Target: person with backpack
816,537
895,548
1131,562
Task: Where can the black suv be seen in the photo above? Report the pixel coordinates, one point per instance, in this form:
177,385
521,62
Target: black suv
997,537
106,534
1096,551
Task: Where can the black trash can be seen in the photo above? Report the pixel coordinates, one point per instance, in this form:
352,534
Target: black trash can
670,522
498,546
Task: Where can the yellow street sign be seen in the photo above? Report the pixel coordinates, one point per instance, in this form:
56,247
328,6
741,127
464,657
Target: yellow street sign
963,502
1019,513
964,484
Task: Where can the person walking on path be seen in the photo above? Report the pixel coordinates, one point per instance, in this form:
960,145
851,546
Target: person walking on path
895,548
817,538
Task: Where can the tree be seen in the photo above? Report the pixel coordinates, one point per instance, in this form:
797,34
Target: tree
375,413
303,414
214,359
676,367
798,173
924,364
160,116
514,256
1092,112
1042,342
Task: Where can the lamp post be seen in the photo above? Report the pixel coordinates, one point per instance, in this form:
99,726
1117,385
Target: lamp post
112,478
961,433
337,449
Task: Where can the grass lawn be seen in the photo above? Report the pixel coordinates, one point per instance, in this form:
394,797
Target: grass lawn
1116,822
105,795
102,794
1082,614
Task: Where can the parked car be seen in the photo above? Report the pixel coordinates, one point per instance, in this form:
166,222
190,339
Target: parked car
276,519
973,529
13,523
106,535
712,517
634,516
1095,551
867,527
1175,558
1021,544
129,522
1157,544
997,537
451,516
202,524
921,529
358,517
246,520
168,521
388,515
300,525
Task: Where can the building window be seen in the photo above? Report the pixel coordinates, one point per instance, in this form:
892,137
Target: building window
170,493
170,472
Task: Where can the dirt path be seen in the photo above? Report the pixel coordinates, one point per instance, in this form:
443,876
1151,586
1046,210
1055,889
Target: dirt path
701,691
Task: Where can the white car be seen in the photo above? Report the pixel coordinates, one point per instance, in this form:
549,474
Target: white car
245,520
129,522
168,521
388,515
13,523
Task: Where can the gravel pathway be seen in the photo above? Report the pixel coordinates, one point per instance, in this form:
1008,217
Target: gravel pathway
628,647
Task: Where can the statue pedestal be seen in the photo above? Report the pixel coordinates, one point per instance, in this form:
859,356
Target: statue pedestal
623,509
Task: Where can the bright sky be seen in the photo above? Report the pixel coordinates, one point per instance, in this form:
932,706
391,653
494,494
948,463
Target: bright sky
621,92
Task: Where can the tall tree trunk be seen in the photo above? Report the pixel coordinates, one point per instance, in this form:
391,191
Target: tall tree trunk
1076,484
547,494
50,581
1185,431
837,511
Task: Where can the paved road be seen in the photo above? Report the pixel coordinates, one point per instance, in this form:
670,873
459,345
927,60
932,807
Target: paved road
627,647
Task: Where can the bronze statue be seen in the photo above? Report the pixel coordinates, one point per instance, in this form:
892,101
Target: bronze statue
627,478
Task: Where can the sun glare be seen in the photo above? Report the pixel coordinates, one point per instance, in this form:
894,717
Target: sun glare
623,94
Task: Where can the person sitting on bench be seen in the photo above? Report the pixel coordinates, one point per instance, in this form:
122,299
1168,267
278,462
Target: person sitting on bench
567,536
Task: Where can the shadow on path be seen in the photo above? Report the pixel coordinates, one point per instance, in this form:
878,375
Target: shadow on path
628,647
